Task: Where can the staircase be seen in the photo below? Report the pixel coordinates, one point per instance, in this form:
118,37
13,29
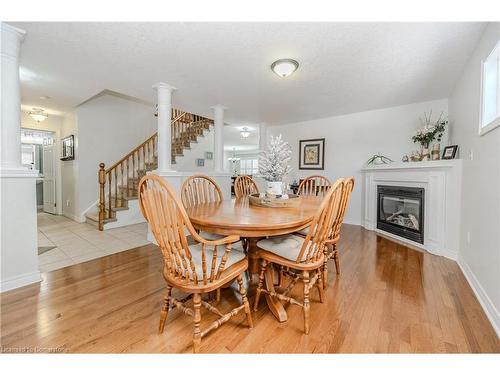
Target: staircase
118,184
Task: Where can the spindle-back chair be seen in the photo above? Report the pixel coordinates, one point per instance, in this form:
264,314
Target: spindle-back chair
193,269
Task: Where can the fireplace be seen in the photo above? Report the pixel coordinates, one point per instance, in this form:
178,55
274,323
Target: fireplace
401,211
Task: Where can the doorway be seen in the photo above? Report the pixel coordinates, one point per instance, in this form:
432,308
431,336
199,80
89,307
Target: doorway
38,153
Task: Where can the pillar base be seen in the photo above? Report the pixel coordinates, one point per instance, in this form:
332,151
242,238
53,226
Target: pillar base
19,241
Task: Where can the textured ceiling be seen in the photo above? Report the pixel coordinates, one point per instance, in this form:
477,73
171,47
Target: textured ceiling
344,67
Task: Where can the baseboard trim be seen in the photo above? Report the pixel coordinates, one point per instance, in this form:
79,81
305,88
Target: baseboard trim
73,217
485,302
20,281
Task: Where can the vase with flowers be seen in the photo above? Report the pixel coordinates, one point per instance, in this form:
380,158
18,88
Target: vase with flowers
273,165
429,132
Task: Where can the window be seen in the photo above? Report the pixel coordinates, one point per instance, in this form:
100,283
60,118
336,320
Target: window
249,166
490,92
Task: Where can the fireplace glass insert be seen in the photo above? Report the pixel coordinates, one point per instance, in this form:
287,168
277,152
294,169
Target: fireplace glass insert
401,211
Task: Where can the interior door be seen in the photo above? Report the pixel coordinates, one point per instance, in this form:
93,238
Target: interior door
49,180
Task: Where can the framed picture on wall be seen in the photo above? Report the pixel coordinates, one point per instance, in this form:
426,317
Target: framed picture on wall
209,155
68,148
200,162
312,153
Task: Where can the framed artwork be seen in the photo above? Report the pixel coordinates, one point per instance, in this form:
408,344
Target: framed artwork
200,162
209,155
450,152
68,148
312,153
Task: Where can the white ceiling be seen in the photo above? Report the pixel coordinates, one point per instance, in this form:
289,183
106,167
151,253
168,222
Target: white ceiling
344,67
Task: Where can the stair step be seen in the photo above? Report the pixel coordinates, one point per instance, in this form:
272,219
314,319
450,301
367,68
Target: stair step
93,218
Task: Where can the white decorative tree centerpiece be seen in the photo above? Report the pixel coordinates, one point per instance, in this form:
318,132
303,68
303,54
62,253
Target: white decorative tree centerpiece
273,165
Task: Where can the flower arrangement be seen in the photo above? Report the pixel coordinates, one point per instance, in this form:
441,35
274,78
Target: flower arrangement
273,163
430,131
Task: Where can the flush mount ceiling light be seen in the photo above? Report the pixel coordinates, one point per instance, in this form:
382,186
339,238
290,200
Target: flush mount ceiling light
244,133
38,115
284,67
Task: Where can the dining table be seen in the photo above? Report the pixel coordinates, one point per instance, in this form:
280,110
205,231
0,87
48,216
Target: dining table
253,223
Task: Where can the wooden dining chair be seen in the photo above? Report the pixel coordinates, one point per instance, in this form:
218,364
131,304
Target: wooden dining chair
194,269
302,258
201,189
244,185
314,185
331,251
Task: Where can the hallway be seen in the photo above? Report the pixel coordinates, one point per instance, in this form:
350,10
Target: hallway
75,243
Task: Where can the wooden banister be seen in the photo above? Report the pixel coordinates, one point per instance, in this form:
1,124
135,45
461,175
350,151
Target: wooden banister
118,183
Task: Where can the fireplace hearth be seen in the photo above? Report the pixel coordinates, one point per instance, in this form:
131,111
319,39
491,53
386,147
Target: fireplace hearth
401,211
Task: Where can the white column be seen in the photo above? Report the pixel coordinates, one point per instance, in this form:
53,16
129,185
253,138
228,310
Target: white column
18,240
262,137
164,127
11,98
219,137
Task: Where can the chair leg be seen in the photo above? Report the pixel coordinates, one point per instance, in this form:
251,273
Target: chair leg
244,298
217,295
321,287
324,271
263,266
196,321
164,309
337,262
305,280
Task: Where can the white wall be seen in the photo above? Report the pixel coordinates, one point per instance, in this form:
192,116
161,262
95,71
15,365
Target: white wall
350,140
108,128
54,124
187,163
69,170
479,257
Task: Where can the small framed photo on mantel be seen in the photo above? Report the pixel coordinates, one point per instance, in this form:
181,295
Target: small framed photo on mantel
312,153
450,152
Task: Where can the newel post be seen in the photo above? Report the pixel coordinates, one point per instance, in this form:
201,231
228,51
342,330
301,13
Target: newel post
102,204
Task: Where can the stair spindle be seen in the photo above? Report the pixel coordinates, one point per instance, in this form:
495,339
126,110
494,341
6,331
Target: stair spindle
102,196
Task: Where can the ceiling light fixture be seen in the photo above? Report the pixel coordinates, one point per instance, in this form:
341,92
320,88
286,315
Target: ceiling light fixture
284,67
244,133
38,115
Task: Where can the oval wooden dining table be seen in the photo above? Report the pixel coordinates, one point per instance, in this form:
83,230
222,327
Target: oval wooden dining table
239,217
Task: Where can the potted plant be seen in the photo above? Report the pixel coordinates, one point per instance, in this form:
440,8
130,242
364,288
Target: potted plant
429,132
273,165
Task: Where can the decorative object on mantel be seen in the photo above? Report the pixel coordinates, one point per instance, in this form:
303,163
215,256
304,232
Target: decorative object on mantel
428,133
209,155
263,200
200,162
68,148
312,153
450,152
273,165
378,159
415,156
436,151
405,159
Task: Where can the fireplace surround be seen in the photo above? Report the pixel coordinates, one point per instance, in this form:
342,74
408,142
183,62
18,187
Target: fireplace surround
441,184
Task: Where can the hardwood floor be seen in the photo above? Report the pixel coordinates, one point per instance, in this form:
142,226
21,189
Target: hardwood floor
389,299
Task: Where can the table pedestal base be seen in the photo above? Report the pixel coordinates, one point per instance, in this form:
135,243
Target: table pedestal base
274,303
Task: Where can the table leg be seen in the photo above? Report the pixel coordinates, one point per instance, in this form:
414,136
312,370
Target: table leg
274,303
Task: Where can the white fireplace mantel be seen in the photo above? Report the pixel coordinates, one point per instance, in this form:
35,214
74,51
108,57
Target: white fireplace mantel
441,180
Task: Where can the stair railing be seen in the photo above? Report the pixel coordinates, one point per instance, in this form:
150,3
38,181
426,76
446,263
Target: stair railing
120,181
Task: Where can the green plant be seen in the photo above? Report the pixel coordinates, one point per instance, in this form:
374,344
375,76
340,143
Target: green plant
430,131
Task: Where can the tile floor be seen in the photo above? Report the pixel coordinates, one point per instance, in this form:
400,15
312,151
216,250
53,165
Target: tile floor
80,242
